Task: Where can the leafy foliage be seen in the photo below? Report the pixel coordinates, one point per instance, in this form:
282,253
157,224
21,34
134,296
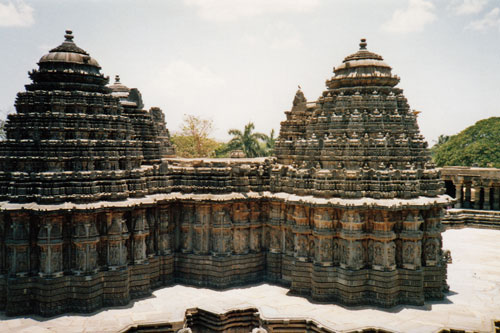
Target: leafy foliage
476,145
193,139
247,141
269,143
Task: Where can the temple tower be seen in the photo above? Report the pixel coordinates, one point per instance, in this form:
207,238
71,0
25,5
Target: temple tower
361,170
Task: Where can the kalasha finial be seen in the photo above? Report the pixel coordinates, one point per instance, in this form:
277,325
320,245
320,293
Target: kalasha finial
117,78
362,45
69,36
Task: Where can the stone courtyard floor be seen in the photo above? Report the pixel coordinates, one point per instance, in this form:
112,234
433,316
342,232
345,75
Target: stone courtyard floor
472,304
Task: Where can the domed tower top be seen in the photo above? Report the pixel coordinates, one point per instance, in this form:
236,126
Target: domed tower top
129,97
68,67
361,139
363,68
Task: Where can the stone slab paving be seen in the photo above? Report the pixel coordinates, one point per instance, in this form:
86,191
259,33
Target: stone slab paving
472,304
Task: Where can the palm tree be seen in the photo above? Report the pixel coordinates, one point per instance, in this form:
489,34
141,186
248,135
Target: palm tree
247,141
269,143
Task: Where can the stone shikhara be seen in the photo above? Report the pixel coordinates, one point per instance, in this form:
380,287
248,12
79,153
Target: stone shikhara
97,210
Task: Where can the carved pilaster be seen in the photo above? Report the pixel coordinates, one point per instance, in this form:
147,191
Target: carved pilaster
141,231
221,231
201,229
50,242
411,254
384,256
352,255
85,238
301,246
255,239
187,219
411,236
17,243
164,234
431,251
117,236
240,240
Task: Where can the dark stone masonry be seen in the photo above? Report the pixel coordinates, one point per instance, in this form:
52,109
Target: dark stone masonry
96,210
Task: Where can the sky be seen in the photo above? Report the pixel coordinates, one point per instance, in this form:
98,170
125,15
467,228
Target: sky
236,61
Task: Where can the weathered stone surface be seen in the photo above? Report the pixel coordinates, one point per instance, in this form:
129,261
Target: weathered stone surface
96,214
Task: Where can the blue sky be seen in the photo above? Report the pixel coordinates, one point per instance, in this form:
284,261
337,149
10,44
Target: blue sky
236,61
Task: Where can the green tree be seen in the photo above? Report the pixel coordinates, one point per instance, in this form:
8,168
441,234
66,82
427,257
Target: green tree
193,139
269,142
476,145
247,141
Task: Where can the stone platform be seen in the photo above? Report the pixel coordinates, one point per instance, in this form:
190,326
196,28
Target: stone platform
472,304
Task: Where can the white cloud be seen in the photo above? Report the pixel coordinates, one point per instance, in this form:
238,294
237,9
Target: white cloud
490,20
231,10
463,7
16,14
411,19
184,88
283,36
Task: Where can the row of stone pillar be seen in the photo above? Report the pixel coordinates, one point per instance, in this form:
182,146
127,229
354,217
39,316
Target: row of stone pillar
353,249
477,197
85,242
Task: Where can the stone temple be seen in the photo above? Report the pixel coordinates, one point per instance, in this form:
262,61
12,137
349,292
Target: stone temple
96,209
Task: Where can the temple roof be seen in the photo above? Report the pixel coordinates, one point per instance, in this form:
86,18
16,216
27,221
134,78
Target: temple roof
69,52
129,97
363,68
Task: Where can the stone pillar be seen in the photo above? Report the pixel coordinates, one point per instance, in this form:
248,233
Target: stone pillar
496,198
85,238
487,205
50,243
467,199
460,196
477,197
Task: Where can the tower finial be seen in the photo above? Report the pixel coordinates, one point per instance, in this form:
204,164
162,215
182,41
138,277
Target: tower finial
69,36
117,78
362,45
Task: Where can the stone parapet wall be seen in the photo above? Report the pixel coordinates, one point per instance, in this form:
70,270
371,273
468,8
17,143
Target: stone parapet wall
460,218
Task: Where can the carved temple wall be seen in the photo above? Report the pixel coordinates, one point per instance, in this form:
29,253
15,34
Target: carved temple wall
80,260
